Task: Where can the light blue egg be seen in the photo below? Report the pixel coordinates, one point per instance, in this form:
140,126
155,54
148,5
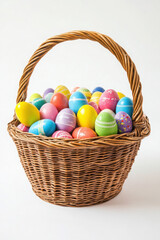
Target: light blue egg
38,102
48,97
125,104
76,101
98,89
45,127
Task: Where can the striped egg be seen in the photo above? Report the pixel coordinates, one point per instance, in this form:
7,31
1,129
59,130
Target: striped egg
45,127
23,128
64,90
61,134
76,101
109,111
48,97
105,124
86,93
96,107
48,90
83,132
34,96
38,102
95,97
125,104
66,120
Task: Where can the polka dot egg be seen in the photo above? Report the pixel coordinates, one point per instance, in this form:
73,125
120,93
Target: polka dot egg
124,122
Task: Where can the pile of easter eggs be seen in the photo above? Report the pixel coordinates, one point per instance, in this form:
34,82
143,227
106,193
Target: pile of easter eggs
78,114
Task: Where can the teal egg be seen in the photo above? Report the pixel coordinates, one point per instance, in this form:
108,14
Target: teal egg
76,101
38,102
105,124
48,97
125,104
45,127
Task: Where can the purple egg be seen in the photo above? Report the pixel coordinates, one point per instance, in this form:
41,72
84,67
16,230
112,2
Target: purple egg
48,90
66,120
124,122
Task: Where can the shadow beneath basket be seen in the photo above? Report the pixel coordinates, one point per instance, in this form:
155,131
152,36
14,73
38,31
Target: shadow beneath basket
141,189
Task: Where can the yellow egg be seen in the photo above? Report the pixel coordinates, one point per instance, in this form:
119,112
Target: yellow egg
95,97
64,90
86,92
86,116
27,113
120,95
34,96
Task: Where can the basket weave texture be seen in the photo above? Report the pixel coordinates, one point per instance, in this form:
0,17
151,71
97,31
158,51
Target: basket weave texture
73,172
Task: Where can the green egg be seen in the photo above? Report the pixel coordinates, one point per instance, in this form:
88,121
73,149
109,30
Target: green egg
105,124
38,102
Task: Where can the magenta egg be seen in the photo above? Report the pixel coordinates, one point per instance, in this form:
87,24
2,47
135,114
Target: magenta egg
61,134
96,107
23,128
48,111
66,120
109,100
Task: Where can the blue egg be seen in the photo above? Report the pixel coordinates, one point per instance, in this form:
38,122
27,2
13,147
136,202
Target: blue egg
48,97
98,89
45,127
38,102
76,101
125,104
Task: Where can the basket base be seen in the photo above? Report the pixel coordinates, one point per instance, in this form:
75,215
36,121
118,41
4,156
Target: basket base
74,204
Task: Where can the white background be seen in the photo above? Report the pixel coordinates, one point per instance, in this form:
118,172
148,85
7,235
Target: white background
135,25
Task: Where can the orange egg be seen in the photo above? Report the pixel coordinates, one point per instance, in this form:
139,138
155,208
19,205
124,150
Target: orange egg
83,132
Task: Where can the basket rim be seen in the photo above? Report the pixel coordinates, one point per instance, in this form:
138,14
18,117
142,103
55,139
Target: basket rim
137,134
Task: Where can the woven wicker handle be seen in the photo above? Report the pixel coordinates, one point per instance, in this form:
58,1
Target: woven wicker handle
105,41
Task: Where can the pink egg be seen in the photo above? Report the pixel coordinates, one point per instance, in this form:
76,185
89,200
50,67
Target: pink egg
23,128
109,100
61,134
48,111
74,90
66,120
96,107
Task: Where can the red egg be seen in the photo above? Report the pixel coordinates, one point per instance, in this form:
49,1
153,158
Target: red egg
108,100
60,101
83,132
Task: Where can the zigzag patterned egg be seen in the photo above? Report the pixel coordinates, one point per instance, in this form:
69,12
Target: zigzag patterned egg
45,127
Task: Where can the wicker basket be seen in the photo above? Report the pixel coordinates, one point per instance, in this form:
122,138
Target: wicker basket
80,172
